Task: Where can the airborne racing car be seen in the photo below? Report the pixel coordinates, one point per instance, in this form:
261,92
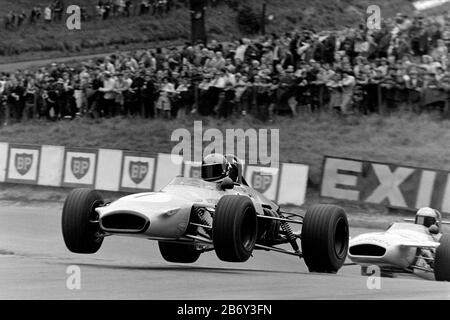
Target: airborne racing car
403,248
191,216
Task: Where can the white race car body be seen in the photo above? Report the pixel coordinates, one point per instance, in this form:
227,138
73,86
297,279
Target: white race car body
395,248
166,214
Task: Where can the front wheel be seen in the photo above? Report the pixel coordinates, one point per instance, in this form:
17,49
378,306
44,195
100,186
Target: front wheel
325,235
80,228
234,228
442,259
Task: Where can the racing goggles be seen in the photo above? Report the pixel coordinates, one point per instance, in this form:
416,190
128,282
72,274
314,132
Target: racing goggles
425,221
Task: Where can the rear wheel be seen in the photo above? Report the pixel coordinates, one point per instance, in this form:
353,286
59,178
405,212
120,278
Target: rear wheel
80,227
234,228
442,260
178,252
325,235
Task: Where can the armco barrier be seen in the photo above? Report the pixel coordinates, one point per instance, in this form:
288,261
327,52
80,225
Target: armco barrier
117,170
385,183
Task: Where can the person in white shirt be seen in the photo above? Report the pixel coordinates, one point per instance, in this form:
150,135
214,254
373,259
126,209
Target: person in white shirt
121,87
241,49
108,89
48,14
348,85
164,105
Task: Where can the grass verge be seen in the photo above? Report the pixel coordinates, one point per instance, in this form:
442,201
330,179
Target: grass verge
95,35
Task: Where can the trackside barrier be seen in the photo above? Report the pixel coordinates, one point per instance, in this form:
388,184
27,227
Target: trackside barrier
387,184
126,171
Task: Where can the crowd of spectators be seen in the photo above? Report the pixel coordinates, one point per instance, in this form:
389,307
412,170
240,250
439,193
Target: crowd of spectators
404,66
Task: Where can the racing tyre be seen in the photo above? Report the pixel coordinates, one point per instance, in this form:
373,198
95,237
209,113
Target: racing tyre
325,235
80,227
442,259
178,253
234,228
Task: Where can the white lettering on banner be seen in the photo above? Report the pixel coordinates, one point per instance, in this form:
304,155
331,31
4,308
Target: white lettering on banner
332,178
426,189
399,186
389,185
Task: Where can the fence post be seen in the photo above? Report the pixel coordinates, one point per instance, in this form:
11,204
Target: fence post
379,100
196,96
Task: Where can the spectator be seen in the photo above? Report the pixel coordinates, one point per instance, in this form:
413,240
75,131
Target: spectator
48,14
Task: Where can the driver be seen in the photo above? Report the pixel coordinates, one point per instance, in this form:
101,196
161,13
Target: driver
431,219
215,168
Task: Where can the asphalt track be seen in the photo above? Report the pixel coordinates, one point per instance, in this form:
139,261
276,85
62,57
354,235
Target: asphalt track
34,261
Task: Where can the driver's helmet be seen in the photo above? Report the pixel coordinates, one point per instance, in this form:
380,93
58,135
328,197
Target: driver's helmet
215,167
427,217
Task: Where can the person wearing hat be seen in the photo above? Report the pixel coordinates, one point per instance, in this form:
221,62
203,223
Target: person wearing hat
107,102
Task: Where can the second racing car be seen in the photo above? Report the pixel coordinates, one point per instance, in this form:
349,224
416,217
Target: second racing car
406,247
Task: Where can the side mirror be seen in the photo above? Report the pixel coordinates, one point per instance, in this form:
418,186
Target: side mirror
227,184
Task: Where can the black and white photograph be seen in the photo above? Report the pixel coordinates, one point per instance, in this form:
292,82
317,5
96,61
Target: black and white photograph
227,156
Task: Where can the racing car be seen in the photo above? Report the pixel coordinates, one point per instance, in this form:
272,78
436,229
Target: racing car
403,248
191,216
